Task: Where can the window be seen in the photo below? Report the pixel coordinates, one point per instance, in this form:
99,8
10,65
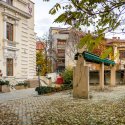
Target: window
9,31
9,67
122,54
61,42
10,2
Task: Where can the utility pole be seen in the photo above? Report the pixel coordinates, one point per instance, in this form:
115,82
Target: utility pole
46,54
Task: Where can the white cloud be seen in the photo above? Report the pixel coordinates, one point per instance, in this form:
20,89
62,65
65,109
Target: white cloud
43,20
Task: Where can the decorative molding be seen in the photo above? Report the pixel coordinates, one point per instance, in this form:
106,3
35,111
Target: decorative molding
5,14
5,19
11,48
23,2
15,9
10,54
11,43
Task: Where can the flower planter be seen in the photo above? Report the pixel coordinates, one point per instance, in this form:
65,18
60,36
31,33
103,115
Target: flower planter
20,87
4,88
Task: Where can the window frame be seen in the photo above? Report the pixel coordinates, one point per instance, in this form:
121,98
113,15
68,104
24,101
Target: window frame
9,67
9,31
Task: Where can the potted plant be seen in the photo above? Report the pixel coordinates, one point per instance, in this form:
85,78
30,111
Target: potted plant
4,86
21,85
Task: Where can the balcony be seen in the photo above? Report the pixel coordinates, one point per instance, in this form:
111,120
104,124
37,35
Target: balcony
61,54
12,45
59,46
60,64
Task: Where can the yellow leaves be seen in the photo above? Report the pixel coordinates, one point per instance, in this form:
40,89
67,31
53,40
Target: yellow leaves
106,52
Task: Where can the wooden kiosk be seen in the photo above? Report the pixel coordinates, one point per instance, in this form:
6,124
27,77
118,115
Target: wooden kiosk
81,73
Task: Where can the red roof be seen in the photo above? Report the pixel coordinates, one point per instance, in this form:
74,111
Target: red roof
40,45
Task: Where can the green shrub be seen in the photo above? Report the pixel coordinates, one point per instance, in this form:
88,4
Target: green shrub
22,84
67,86
46,89
4,82
68,76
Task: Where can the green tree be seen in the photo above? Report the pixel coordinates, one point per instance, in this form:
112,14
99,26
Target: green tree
45,63
40,60
104,15
68,75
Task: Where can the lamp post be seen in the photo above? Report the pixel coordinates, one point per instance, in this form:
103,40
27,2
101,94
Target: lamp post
38,70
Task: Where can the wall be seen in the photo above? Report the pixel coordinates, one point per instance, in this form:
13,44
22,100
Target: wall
25,62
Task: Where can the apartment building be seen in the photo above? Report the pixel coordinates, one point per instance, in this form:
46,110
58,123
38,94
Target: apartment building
63,49
17,39
58,37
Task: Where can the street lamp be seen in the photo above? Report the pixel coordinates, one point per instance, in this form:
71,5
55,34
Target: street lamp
38,68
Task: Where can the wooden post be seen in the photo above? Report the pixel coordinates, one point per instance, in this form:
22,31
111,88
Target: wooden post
113,76
101,76
81,80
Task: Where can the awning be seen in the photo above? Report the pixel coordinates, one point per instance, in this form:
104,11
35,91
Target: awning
94,58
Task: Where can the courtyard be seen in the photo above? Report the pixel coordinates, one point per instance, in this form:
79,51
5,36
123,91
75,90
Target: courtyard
25,107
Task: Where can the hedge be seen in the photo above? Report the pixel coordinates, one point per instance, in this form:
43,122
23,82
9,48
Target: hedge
46,89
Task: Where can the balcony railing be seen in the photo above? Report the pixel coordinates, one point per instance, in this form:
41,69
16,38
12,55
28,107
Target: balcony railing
8,43
60,64
11,43
61,54
61,46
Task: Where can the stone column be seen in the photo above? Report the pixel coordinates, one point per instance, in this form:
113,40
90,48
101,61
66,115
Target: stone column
101,76
5,27
113,76
81,80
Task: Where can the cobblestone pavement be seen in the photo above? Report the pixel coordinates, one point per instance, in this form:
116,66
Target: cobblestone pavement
17,94
24,107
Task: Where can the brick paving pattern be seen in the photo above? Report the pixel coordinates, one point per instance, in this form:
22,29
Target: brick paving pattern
18,107
25,107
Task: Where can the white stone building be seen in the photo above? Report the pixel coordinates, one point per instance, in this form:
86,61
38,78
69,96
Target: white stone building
17,39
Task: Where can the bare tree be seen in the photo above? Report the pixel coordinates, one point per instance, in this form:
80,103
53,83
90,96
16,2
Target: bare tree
71,44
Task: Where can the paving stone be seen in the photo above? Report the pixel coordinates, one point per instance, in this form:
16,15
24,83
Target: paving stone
23,108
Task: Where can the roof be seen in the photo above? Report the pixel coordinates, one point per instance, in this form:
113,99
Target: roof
94,58
40,45
115,40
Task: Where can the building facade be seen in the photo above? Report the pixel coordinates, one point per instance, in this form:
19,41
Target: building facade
58,37
17,39
68,50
